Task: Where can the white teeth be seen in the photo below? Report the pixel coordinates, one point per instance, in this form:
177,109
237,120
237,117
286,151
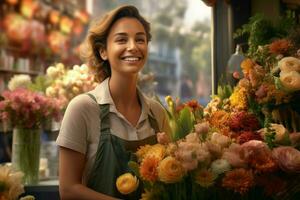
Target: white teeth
131,59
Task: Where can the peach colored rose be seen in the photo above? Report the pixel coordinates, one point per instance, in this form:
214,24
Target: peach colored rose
288,158
288,64
127,183
290,80
170,170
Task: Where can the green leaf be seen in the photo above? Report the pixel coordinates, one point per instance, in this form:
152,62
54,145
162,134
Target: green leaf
186,122
134,166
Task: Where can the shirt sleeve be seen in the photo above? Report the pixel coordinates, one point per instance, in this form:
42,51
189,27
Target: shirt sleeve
73,132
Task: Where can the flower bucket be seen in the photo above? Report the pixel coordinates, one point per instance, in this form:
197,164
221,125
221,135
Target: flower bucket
26,153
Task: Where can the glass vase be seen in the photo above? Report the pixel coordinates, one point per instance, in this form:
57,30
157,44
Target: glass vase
26,153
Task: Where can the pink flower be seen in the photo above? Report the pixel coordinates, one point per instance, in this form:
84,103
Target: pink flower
288,158
202,128
233,155
163,138
295,139
262,91
236,75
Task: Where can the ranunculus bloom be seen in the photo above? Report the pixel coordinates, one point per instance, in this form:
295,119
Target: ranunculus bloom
288,158
163,138
170,170
295,139
288,64
127,183
290,80
281,134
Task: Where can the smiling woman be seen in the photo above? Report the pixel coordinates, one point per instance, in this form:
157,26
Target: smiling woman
101,129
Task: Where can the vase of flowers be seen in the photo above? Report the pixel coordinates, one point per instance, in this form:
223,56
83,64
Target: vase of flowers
27,111
26,153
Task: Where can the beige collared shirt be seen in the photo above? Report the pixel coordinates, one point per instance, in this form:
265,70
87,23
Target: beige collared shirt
80,129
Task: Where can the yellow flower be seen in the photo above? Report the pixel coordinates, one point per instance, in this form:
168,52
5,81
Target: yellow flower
127,183
157,151
204,177
142,151
238,99
170,170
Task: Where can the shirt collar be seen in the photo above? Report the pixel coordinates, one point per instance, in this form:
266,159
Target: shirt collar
103,96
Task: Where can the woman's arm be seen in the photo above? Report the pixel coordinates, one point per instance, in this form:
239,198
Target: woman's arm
71,166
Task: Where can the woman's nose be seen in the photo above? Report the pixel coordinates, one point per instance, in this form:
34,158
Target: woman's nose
132,45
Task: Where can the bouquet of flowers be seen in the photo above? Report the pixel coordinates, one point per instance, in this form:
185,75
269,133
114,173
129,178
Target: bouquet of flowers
67,83
217,155
28,109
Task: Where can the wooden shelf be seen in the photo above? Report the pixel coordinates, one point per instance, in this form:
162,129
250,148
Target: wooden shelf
34,73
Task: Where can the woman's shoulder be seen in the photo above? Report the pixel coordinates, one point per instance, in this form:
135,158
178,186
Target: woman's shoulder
154,105
82,102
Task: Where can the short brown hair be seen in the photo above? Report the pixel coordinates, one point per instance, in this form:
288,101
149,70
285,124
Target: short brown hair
97,38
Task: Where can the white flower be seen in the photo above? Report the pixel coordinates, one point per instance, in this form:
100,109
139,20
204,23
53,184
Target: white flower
220,166
19,81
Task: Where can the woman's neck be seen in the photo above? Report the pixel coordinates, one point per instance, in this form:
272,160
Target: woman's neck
123,91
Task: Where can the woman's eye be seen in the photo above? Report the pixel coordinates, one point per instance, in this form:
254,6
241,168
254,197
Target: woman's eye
141,40
121,40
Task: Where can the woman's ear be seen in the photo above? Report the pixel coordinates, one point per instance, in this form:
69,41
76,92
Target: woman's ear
103,54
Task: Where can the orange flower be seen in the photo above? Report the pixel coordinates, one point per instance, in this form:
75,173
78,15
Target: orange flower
246,65
240,180
205,178
148,168
194,105
280,46
262,162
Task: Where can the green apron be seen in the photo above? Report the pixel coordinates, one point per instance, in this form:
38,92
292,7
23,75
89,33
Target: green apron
112,157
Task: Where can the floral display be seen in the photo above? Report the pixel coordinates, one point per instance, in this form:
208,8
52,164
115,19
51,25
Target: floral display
67,83
243,145
19,81
10,183
28,109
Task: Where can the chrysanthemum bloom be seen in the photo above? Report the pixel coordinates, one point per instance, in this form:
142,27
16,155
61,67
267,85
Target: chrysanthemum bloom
205,178
262,162
219,119
220,166
127,183
156,150
238,99
281,46
239,180
288,158
243,121
246,65
142,151
170,170
246,136
222,140
148,168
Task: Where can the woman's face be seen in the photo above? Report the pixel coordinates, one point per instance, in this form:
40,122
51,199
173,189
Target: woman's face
127,46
